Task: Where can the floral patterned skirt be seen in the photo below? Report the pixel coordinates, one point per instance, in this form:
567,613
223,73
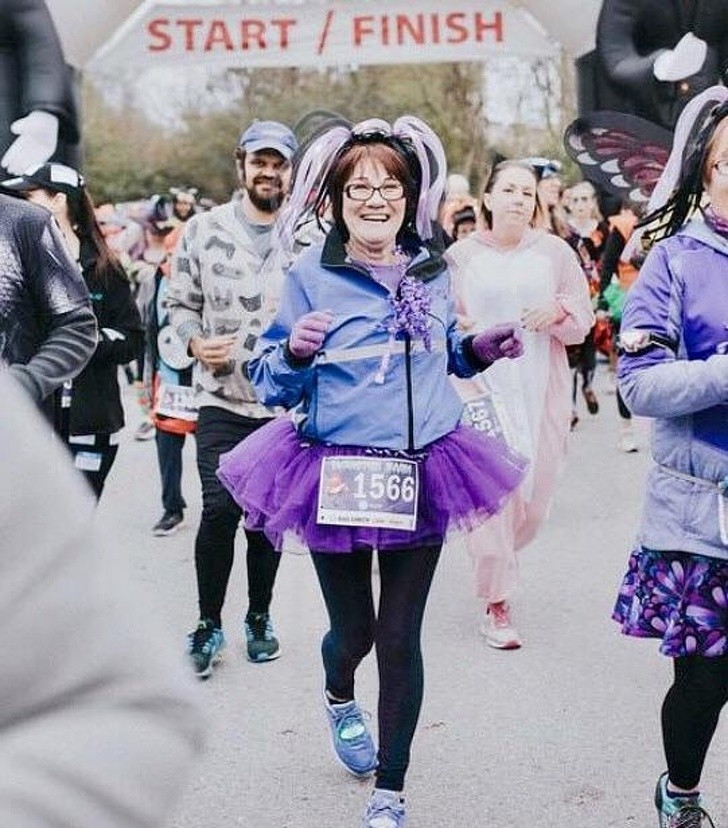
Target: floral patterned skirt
677,597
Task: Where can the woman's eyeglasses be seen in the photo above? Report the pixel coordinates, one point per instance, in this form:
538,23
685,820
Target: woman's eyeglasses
389,191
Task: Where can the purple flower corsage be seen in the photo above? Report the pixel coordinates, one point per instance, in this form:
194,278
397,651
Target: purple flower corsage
410,316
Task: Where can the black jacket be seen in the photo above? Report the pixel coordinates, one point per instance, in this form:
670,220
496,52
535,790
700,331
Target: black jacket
47,327
632,33
96,401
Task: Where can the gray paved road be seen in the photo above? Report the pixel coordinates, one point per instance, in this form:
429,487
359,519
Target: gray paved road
561,734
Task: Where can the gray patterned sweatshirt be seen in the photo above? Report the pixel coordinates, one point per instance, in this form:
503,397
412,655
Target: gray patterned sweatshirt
226,278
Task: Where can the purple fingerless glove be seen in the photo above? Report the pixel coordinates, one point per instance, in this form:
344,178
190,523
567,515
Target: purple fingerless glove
497,342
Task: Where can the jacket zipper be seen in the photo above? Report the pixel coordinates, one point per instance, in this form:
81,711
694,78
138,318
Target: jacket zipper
410,408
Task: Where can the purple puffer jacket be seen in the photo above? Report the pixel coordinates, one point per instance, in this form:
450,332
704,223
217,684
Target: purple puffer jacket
680,377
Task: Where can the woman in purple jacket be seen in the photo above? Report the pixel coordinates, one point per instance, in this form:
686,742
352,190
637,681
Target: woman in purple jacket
674,368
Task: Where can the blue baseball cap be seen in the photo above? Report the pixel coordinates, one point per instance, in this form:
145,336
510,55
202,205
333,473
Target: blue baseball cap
269,135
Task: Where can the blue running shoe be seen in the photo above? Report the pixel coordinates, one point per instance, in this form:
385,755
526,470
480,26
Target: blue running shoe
679,811
350,737
385,809
203,647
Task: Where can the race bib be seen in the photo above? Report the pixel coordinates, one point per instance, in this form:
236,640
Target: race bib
379,492
176,401
87,461
481,413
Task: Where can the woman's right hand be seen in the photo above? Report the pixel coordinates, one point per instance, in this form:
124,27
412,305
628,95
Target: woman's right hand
308,333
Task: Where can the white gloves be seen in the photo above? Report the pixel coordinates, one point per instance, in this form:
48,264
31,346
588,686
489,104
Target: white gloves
684,60
36,142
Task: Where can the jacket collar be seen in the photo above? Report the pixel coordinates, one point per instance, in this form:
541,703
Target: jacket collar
426,264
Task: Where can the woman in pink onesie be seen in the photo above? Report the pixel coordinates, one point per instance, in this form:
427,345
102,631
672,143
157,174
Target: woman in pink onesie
512,271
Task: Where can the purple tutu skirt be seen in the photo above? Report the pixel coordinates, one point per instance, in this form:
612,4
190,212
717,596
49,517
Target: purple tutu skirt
273,475
677,597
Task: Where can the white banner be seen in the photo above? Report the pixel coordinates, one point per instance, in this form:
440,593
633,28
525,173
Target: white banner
323,34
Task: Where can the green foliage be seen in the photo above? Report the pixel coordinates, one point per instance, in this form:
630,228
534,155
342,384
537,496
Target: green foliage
128,156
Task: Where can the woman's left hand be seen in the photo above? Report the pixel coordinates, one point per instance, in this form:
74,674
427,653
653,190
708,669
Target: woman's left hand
538,319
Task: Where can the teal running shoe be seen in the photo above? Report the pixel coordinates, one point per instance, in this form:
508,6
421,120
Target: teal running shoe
204,646
261,641
679,811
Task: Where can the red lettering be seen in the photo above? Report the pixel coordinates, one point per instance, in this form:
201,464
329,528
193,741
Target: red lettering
482,28
158,28
406,28
385,30
252,30
189,25
455,24
362,27
435,19
218,34
283,26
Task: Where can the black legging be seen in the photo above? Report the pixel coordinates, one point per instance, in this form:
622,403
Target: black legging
585,366
219,431
346,584
690,715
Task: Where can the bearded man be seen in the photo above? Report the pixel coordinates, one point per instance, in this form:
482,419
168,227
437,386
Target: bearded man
226,276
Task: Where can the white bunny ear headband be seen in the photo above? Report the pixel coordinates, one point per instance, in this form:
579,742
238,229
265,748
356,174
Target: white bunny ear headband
312,173
693,119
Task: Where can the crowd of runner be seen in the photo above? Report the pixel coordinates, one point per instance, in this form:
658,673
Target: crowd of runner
370,357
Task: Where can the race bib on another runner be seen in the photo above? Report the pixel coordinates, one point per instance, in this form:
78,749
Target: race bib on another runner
380,492
176,401
482,410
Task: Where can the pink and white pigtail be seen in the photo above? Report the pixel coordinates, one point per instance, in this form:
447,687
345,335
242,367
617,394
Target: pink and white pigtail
425,141
311,175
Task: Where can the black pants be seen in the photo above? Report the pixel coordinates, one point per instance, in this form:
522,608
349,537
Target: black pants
94,460
585,366
218,431
346,584
690,715
169,457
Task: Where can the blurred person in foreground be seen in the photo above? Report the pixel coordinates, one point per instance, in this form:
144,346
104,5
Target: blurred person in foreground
47,326
92,412
93,732
673,367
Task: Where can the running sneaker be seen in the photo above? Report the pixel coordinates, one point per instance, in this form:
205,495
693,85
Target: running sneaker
350,737
262,644
385,809
203,647
592,403
679,811
627,442
498,627
145,431
168,524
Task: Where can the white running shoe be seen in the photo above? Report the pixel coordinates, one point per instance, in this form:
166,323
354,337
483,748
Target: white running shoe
627,442
498,627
